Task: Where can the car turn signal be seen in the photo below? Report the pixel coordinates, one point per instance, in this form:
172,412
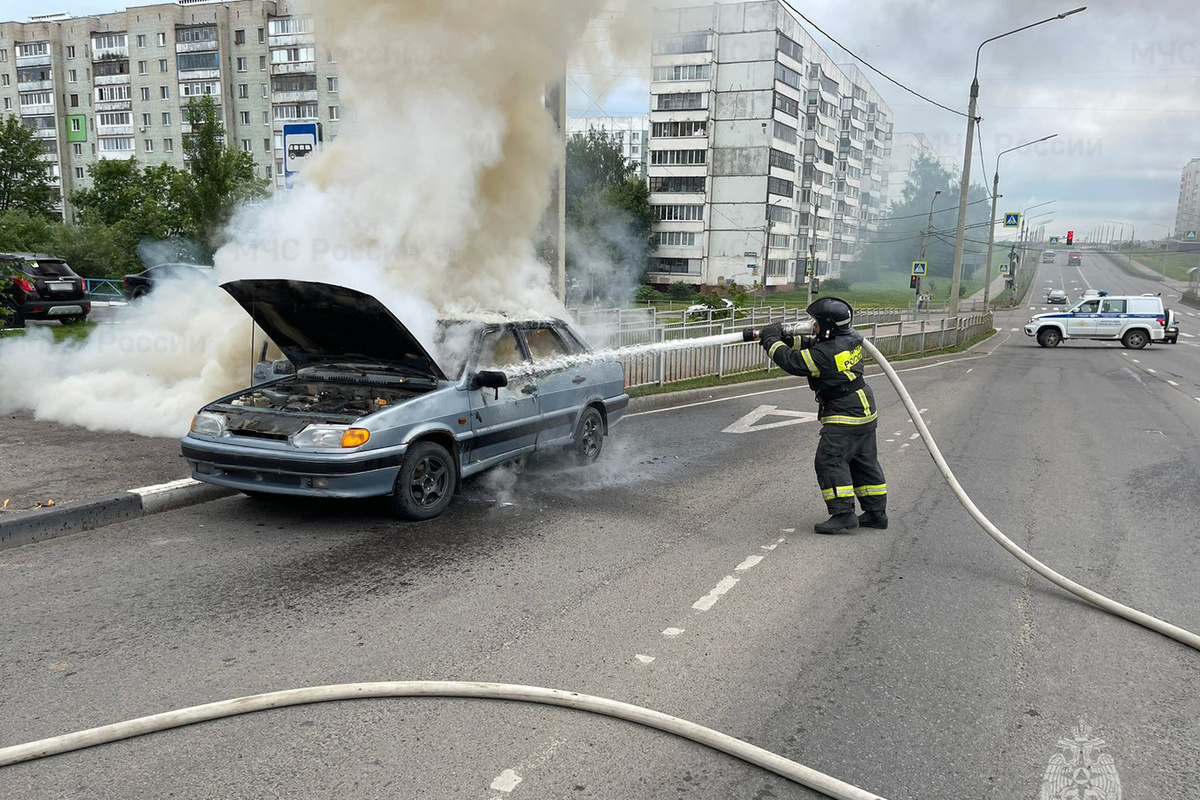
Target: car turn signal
355,437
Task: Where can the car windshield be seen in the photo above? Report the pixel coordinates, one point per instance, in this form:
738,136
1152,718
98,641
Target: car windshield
454,342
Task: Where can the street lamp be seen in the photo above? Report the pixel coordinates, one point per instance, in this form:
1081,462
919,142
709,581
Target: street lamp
987,275
1121,237
960,233
813,197
925,246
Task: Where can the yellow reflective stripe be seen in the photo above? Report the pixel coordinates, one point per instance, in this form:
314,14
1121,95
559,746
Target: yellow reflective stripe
843,491
774,347
865,403
808,362
871,491
839,420
828,494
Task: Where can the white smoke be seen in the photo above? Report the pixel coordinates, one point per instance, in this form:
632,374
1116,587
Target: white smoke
428,199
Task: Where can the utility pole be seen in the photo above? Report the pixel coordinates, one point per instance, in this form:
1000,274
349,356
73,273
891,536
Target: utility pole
926,235
770,223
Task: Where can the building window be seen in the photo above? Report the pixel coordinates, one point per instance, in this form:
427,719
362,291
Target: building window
262,35
266,118
293,83
197,61
266,90
781,214
787,75
239,36
279,166
785,132
679,213
293,55
108,94
149,145
141,40
334,84
162,40
3,54
676,239
165,92
162,65
777,267
287,26
70,51
120,144
72,76
243,90
698,42
669,130
166,118
783,160
7,80
243,64
787,105
79,170
199,88
145,93
683,72
109,41
76,124
677,183
335,113
684,157
146,120
8,104
143,68
780,241
168,145
298,111
681,101
116,66
244,117
266,145
791,49
679,266
268,175
780,186
262,63
77,149
246,146
114,118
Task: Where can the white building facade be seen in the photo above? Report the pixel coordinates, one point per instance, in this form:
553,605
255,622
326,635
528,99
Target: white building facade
1187,212
763,152
632,133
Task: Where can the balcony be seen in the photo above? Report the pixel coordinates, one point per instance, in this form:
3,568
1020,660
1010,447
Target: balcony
39,110
110,80
50,157
116,155
199,75
35,86
34,61
44,133
114,130
290,40
294,67
103,53
306,96
114,105
207,46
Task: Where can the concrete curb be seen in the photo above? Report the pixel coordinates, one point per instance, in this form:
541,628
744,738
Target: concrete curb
49,523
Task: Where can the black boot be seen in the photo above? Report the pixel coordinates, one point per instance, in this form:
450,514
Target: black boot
837,523
873,519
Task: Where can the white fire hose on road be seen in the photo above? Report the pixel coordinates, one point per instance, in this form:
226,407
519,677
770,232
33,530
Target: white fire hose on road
724,743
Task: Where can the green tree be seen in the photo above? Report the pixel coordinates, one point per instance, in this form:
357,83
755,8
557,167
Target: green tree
889,253
609,218
222,175
23,184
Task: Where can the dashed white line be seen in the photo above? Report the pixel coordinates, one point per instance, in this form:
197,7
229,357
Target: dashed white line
1136,361
672,631
906,444
644,659
709,600
1151,370
915,436
972,369
750,562
506,781
786,530
1173,383
890,440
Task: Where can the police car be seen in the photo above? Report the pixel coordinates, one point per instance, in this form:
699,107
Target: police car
1133,320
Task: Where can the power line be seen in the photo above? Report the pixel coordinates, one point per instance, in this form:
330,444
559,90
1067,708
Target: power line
866,63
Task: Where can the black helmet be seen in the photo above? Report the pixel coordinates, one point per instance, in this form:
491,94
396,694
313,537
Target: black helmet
834,315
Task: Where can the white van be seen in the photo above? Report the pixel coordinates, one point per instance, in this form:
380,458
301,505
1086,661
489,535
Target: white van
1135,321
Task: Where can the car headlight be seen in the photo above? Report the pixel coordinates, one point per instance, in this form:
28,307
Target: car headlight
209,424
331,436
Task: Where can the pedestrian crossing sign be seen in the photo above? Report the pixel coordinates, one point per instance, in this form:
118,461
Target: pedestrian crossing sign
920,267
1190,236
1012,219
1004,269
1053,240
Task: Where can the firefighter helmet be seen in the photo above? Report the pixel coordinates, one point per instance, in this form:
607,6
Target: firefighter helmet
834,315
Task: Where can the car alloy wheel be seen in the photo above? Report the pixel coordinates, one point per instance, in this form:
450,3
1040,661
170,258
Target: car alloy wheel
589,438
425,484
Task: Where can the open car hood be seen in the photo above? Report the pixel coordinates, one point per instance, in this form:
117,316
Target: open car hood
320,323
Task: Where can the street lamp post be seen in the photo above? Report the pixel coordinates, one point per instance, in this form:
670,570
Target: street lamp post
812,238
987,279
964,192
925,247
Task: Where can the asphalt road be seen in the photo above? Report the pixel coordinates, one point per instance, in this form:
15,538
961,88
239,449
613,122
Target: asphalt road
918,662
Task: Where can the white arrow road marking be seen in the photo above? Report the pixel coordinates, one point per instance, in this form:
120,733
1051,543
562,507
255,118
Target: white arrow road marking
749,423
506,781
643,659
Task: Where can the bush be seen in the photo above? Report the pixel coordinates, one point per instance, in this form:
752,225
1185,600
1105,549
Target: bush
681,291
835,285
647,294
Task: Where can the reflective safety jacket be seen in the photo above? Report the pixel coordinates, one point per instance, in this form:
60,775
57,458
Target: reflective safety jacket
834,370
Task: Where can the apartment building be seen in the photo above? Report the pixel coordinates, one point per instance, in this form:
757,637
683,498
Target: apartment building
117,85
1187,212
631,133
764,153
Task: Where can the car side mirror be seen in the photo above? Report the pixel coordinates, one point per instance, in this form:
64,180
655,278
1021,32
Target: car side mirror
490,379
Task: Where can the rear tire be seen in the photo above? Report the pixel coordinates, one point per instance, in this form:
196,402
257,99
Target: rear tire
1049,337
425,484
1135,339
589,437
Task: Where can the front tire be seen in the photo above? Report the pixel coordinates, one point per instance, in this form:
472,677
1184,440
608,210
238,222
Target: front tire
1135,339
589,437
1049,337
425,484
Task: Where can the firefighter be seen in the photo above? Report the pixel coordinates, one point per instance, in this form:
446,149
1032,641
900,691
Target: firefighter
847,460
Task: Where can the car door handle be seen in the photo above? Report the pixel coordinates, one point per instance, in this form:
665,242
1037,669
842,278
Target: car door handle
529,388
578,379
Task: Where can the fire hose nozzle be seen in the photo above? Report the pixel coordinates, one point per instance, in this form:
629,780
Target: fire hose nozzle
804,327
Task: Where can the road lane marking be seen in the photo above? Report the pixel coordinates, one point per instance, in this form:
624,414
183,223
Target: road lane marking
506,781
915,436
972,369
750,562
644,659
752,422
1173,383
1151,370
709,600
1136,361
906,444
672,631
890,440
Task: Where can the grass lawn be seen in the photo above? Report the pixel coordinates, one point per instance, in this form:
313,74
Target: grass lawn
60,332
1175,264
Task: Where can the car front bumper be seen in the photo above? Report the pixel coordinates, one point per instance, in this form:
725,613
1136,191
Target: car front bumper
249,469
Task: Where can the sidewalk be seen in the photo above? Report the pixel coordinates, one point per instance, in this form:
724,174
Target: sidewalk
998,286
42,461
1138,266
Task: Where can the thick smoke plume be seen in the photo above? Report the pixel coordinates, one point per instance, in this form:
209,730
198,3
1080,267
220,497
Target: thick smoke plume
429,199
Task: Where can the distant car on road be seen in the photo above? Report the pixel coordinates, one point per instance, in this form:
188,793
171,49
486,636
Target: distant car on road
700,309
1171,331
1075,260
1049,257
142,283
1056,296
367,411
44,287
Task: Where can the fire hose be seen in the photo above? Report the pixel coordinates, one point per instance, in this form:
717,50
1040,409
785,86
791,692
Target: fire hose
793,771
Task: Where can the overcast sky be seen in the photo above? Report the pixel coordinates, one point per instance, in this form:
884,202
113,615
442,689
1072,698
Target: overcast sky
1119,84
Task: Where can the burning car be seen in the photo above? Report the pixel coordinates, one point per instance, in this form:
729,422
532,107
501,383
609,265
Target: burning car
363,410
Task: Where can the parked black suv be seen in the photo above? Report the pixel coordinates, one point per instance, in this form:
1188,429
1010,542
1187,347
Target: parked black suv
44,287
142,283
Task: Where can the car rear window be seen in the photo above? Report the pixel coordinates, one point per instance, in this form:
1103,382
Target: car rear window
46,268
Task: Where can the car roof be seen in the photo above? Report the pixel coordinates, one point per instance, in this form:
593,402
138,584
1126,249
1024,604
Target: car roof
32,256
494,318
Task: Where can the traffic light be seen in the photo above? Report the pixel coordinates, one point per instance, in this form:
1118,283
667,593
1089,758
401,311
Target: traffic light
914,281
1070,237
